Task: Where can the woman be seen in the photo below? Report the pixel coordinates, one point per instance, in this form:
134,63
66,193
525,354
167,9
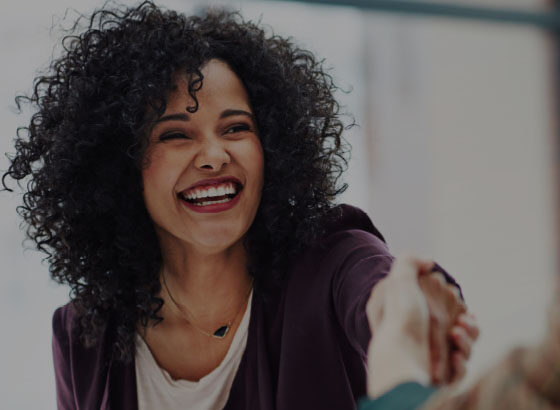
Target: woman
182,172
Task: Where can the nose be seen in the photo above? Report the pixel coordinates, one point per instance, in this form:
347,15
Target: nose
212,156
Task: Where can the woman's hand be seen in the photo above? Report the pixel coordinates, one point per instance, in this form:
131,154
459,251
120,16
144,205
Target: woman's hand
398,315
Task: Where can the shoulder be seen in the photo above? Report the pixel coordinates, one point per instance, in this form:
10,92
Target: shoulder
350,241
83,374
349,232
81,371
67,332
346,217
63,322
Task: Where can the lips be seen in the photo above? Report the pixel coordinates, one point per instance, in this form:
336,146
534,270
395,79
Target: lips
212,191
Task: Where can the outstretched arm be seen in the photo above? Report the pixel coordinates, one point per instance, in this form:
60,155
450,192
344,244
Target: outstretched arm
417,315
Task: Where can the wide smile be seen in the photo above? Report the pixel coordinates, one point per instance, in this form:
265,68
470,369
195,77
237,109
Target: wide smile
215,195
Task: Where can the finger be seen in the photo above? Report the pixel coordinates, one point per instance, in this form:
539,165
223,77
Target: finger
455,290
425,266
439,352
438,276
459,366
462,341
468,322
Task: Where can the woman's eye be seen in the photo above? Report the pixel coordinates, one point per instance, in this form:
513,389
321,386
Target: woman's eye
238,128
173,135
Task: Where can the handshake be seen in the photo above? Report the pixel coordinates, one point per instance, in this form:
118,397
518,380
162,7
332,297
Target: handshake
421,330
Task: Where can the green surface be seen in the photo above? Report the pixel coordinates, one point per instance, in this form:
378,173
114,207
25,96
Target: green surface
405,396
549,19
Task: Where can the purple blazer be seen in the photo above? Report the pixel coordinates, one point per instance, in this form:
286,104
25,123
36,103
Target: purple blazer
306,346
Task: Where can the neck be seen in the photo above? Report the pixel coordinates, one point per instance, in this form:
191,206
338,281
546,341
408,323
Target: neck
211,285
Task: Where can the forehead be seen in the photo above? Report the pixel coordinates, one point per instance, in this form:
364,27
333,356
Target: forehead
221,88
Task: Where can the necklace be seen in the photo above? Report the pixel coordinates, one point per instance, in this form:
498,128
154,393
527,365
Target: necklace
219,333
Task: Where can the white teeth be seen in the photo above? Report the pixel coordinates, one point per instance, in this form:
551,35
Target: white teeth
229,189
219,190
221,201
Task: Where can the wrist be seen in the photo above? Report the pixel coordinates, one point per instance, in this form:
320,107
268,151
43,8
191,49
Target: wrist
396,372
395,358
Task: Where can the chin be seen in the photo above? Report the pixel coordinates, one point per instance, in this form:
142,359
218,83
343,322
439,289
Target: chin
220,240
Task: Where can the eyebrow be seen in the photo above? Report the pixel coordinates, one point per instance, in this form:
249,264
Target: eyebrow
185,117
173,117
230,113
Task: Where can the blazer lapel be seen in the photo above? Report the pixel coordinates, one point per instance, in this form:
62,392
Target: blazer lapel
120,387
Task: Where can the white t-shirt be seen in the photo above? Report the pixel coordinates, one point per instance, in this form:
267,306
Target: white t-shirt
157,390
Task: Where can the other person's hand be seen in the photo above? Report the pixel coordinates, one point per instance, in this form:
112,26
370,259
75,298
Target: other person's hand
452,330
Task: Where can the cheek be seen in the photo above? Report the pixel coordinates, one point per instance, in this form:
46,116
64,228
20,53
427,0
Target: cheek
249,156
255,159
158,175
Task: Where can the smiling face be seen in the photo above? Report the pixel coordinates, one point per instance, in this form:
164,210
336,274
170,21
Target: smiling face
204,172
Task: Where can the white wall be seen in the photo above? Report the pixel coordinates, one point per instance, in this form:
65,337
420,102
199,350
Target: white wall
452,160
463,133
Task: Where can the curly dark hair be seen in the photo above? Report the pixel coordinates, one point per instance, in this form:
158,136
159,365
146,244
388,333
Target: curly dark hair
82,153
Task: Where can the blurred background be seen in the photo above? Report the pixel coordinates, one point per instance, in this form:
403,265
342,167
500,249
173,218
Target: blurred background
453,158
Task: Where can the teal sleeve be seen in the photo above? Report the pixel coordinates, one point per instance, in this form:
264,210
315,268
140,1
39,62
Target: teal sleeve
406,396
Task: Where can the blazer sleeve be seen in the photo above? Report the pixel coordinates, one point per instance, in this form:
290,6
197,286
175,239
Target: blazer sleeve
364,259
61,359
